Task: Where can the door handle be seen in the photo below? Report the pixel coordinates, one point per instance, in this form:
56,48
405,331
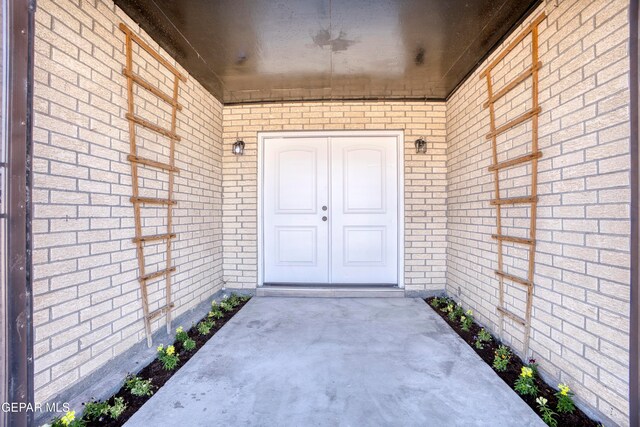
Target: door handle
324,218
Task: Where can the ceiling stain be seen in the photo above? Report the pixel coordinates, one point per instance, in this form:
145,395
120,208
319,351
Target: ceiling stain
338,44
419,59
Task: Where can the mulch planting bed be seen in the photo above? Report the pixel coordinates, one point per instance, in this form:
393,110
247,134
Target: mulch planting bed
158,375
575,419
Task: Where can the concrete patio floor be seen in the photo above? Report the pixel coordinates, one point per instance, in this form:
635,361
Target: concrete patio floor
335,362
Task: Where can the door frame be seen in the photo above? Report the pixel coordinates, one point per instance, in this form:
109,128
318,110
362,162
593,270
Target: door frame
16,290
397,134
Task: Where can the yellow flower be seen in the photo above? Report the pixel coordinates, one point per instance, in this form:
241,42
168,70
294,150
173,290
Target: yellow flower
469,312
463,318
160,348
214,303
564,389
526,372
179,330
171,350
69,416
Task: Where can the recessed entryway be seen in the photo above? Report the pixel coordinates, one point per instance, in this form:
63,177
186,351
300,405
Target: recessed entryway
331,211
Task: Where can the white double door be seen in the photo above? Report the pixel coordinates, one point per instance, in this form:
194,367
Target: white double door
330,209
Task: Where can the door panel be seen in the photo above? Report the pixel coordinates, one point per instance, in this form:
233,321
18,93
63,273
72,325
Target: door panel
364,245
296,246
296,170
364,210
296,240
364,177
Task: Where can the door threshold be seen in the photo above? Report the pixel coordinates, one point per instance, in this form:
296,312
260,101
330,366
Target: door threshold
333,285
330,291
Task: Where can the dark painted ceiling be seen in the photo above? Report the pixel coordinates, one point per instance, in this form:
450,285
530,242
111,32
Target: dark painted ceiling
271,50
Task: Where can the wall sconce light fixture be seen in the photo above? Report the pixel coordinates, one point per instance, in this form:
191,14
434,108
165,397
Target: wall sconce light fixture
421,146
238,147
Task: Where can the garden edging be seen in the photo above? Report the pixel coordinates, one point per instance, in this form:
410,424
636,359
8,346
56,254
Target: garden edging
513,369
107,380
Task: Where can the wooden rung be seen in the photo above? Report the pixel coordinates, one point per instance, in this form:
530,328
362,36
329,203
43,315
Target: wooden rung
160,311
513,278
516,161
512,316
154,238
154,90
157,274
514,201
515,122
153,127
513,44
152,163
151,51
512,239
512,84
152,201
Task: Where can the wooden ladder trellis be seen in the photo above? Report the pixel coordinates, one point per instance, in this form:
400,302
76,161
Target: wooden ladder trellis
497,166
136,199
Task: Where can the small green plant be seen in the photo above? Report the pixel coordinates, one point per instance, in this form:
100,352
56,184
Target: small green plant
482,338
525,384
234,300
456,312
216,311
94,410
205,326
189,344
168,357
502,358
216,314
181,335
435,302
226,305
466,320
446,304
138,387
117,408
565,400
68,420
548,416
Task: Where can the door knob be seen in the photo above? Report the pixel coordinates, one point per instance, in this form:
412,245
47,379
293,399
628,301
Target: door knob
324,218
324,208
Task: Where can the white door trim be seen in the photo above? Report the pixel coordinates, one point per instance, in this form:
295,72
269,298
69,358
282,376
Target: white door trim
398,134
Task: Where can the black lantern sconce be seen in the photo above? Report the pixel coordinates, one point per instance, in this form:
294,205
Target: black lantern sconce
238,147
421,146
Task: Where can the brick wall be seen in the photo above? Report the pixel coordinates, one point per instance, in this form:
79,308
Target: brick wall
425,178
87,306
581,302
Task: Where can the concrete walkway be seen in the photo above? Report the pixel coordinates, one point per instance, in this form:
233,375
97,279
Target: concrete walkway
335,362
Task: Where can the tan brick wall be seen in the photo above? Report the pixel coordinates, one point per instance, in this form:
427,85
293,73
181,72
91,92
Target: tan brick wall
581,303
425,178
87,305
